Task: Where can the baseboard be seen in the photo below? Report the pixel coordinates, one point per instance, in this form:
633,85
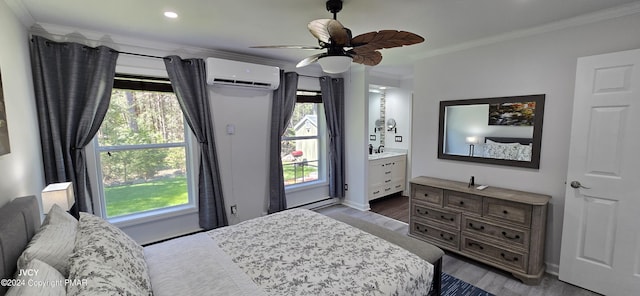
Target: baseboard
553,269
357,206
321,204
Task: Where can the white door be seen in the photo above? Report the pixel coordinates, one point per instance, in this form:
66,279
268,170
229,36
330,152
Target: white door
601,231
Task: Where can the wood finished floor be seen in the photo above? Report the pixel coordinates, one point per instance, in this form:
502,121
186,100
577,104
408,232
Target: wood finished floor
485,277
392,206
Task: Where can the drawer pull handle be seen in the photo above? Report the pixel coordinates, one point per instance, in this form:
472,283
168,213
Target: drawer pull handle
479,246
512,259
422,229
477,228
505,212
376,192
398,186
450,238
445,218
426,194
510,237
422,212
462,203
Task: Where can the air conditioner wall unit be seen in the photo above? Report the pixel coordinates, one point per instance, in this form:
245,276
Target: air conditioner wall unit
241,74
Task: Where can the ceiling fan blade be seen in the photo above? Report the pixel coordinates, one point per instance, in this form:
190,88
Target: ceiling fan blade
309,60
318,29
340,35
330,31
306,47
384,39
369,58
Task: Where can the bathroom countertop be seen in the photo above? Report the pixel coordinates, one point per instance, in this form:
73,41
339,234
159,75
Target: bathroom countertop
385,155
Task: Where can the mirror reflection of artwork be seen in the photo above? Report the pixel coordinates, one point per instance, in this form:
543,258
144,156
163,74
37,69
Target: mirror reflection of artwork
4,131
512,113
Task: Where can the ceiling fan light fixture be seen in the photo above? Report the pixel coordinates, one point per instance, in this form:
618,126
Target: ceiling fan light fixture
335,64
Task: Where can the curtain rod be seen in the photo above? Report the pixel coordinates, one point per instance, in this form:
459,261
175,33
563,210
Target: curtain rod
157,57
140,55
308,76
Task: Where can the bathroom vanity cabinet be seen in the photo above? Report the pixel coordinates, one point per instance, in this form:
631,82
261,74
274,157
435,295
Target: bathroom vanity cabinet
387,174
500,227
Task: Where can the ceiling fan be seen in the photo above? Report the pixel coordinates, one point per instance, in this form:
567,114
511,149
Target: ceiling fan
342,49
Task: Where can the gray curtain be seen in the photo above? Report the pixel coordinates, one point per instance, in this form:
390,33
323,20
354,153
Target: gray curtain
284,101
333,100
72,84
189,81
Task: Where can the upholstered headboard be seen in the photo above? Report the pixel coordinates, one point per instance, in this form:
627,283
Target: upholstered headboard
19,221
523,141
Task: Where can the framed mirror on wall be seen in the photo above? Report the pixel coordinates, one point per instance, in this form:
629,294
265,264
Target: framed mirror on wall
501,130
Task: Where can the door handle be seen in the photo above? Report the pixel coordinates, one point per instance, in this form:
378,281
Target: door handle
576,184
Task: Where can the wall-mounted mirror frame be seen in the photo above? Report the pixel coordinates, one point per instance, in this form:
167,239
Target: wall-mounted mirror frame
535,141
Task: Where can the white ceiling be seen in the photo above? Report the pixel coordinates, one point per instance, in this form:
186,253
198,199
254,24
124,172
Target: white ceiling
235,25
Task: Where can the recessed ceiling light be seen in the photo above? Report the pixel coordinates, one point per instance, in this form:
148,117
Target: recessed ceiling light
170,14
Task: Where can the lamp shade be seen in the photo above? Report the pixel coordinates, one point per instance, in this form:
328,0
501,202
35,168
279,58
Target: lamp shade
335,64
58,193
472,140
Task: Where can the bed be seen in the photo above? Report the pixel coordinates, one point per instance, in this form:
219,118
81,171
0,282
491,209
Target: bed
294,252
508,148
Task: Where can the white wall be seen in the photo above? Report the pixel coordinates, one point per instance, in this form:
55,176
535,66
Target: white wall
398,105
21,170
243,156
543,63
356,136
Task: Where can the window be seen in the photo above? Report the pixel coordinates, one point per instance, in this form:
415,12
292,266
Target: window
141,149
301,143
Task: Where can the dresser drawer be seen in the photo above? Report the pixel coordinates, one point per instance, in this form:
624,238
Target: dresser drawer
468,203
439,216
501,256
437,234
510,235
506,210
427,194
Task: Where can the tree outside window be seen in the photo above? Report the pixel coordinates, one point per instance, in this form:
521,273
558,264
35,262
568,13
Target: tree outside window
142,153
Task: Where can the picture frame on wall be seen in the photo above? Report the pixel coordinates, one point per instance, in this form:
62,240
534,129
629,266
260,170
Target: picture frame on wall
5,148
512,113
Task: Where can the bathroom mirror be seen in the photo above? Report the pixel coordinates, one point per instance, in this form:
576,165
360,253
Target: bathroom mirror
379,125
501,131
391,124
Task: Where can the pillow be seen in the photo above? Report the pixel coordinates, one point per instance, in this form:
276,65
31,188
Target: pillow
93,278
54,242
47,282
500,150
524,152
58,216
106,243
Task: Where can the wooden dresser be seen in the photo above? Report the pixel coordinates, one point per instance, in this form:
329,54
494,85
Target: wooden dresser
500,227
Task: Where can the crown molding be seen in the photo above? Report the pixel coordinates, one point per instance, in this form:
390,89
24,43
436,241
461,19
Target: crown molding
142,46
21,11
602,15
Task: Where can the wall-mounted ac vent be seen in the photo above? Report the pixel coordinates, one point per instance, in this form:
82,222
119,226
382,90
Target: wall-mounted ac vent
241,74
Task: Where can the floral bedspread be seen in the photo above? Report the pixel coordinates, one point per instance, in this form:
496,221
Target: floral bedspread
300,252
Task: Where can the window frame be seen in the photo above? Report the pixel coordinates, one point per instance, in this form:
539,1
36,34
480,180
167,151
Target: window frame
311,96
94,166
